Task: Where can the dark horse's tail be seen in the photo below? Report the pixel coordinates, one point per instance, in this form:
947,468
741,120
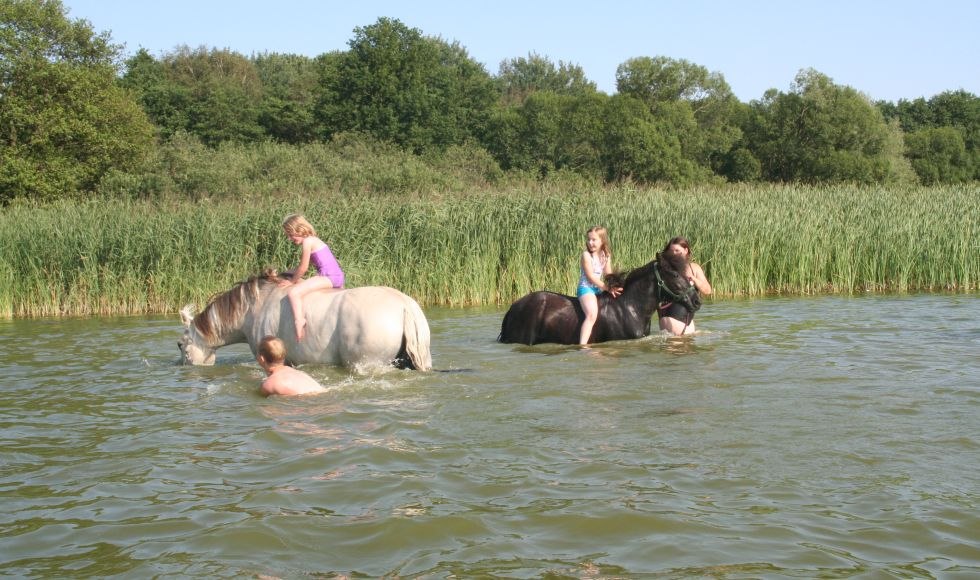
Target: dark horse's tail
503,325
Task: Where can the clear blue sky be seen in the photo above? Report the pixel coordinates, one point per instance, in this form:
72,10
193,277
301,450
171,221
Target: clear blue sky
891,50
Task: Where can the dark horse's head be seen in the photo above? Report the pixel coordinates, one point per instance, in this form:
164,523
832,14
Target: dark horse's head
660,280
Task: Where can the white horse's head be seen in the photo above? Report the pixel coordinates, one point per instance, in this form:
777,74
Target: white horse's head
193,350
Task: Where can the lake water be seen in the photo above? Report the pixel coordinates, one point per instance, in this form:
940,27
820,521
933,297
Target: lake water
795,437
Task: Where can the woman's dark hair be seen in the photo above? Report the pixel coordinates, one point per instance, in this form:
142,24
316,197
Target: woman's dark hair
674,264
680,241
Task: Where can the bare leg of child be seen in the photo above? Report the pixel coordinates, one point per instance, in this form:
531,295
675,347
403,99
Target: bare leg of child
590,307
297,293
296,301
300,329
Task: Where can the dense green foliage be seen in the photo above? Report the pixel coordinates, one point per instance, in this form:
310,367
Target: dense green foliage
214,94
523,76
401,87
65,123
351,164
942,135
821,132
489,247
70,122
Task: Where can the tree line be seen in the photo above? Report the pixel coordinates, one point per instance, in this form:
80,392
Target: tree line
73,109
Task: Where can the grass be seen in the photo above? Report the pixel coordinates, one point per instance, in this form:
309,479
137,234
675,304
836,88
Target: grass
490,246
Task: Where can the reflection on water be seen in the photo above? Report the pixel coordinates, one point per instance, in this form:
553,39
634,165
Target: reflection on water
790,437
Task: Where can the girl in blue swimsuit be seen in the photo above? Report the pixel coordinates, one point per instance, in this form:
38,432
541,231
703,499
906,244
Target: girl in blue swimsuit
314,251
596,262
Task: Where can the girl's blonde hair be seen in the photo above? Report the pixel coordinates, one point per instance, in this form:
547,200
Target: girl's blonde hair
296,225
600,231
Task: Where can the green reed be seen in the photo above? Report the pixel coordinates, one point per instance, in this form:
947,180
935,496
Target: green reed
112,256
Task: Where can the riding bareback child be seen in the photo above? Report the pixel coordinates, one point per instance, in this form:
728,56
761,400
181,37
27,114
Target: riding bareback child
314,251
596,262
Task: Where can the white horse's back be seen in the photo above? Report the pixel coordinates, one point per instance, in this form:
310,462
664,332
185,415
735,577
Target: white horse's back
360,327
363,326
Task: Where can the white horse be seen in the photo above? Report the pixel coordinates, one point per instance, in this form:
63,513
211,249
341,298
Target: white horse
360,327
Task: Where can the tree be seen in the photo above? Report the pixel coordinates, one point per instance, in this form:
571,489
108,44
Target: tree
938,155
289,85
166,103
550,132
740,164
222,91
401,87
64,123
210,93
638,145
504,139
957,110
911,115
960,110
672,85
520,77
822,132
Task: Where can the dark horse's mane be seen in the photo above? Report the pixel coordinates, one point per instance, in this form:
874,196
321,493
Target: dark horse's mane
628,278
231,305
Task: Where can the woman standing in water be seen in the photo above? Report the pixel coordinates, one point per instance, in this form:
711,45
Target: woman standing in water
681,283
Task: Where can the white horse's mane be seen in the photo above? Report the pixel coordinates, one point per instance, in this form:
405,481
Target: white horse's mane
225,310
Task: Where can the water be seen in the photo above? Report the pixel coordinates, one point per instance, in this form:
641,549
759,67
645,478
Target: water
802,437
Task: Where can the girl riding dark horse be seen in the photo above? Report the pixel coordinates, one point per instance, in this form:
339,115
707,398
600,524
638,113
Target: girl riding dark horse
543,317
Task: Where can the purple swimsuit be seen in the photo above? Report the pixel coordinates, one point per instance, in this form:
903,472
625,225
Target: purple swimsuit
327,265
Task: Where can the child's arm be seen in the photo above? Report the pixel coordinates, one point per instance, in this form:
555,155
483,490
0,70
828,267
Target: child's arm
304,261
615,291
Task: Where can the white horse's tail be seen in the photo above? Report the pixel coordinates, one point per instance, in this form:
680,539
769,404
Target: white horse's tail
416,335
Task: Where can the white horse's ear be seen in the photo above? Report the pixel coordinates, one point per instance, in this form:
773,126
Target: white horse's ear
185,315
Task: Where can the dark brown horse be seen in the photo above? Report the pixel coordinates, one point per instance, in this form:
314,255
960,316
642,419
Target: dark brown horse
543,316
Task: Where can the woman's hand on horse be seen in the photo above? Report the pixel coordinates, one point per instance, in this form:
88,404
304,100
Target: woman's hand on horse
615,291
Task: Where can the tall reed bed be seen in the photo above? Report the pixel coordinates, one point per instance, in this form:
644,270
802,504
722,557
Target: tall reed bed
112,256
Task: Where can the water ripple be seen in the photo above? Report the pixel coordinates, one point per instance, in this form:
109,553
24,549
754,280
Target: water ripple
792,438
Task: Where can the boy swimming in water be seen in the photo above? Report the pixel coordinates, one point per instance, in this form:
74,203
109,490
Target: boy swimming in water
282,379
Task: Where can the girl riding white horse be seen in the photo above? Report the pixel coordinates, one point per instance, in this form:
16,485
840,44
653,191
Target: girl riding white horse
360,327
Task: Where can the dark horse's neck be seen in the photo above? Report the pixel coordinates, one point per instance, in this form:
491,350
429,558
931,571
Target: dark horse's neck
630,313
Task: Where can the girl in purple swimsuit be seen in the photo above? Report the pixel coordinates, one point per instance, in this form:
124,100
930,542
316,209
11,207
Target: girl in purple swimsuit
314,251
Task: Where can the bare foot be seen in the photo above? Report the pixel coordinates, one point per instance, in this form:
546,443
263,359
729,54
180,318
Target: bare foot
300,329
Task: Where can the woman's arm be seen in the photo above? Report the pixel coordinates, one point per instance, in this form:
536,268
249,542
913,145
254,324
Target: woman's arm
700,280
